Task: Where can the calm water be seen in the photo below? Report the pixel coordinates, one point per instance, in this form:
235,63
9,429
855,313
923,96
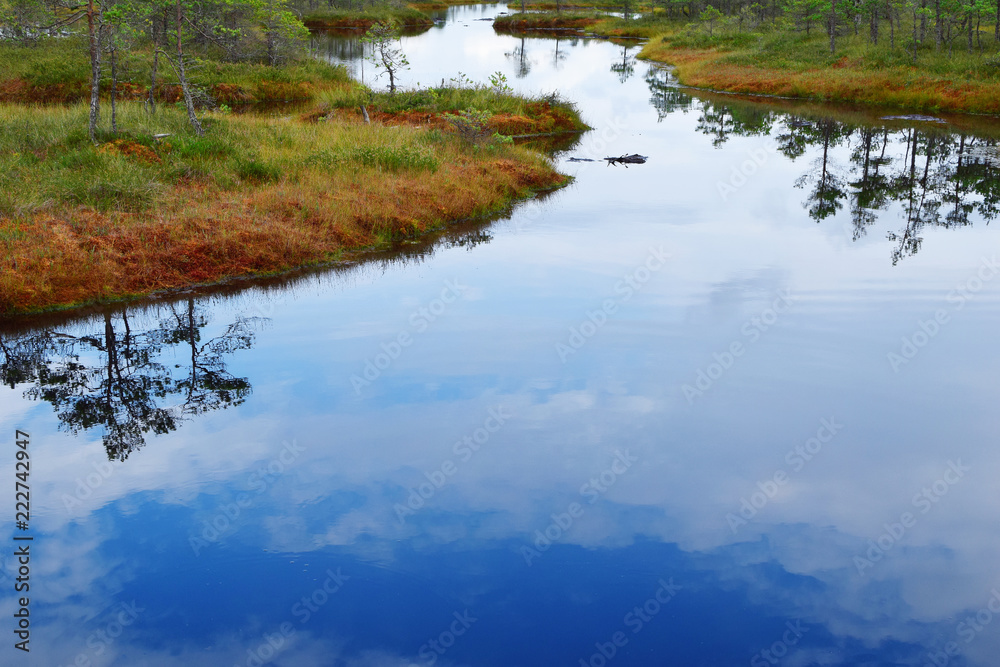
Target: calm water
733,406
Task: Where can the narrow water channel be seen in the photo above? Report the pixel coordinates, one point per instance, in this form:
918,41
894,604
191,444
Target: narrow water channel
735,405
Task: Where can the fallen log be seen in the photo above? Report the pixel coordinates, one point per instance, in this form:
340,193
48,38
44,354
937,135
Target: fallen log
627,160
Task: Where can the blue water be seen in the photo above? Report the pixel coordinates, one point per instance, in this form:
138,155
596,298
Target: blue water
726,407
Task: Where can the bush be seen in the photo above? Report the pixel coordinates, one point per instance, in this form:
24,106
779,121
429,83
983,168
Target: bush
389,158
257,172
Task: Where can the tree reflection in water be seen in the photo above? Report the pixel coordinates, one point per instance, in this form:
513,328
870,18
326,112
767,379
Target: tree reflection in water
626,68
116,377
933,177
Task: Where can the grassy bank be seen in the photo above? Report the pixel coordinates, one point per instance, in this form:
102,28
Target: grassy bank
510,23
778,58
407,17
645,26
432,5
257,195
510,115
58,73
787,63
574,5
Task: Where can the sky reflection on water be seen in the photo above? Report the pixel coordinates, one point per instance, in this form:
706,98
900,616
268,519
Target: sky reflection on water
711,455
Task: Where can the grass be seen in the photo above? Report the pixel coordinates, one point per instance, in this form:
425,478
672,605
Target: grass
644,26
785,63
57,71
511,114
256,195
432,5
544,21
409,17
572,5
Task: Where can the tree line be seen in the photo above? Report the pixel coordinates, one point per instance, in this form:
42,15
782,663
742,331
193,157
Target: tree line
945,22
170,33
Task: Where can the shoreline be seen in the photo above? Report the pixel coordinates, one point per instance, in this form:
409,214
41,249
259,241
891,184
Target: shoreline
203,235
256,197
796,68
908,90
235,283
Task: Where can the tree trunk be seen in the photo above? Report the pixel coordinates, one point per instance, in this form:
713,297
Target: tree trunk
979,39
892,29
833,26
93,30
152,76
114,81
938,26
181,74
968,30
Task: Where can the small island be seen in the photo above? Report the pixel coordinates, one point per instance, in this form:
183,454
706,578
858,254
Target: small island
160,145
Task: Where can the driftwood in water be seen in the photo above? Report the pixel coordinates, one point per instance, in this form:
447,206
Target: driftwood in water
627,160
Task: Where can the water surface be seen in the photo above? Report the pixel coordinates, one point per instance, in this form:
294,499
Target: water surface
739,399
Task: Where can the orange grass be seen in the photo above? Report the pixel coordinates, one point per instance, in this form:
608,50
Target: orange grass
541,21
201,231
846,81
409,16
539,118
21,91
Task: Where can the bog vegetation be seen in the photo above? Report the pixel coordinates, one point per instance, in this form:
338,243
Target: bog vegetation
936,55
126,167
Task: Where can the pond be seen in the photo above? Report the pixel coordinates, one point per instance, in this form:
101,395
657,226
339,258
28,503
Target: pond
735,405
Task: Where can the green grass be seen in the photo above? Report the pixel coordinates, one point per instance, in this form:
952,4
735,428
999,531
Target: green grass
59,70
257,194
391,158
793,50
776,60
47,158
643,26
449,99
342,18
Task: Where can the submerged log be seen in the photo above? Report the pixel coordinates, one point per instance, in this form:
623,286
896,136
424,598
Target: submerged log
627,160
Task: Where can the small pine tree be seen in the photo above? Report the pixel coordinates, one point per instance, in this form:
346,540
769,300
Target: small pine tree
385,55
709,16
